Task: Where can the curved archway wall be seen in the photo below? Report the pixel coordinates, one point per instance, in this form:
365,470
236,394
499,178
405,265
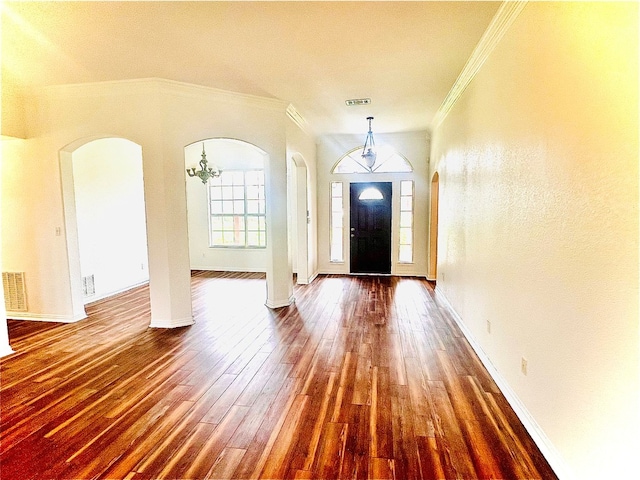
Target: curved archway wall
228,154
162,117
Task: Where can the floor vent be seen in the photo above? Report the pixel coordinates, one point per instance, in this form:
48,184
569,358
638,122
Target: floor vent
15,296
88,286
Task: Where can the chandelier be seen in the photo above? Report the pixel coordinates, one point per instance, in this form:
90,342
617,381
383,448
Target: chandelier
369,154
205,173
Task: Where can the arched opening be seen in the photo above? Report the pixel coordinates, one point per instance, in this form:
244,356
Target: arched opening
433,228
103,193
209,207
226,216
300,221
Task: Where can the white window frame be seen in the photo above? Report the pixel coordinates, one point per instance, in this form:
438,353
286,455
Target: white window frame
227,203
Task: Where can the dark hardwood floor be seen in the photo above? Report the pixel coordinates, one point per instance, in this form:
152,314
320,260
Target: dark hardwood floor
363,377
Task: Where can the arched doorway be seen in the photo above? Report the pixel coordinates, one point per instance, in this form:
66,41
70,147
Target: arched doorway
301,221
105,221
433,228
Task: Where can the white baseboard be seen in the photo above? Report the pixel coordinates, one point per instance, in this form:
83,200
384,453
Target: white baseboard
279,303
171,323
102,296
38,317
5,350
209,268
545,445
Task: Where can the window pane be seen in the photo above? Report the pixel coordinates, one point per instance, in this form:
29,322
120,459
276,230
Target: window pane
226,178
370,194
216,193
406,204
216,238
227,223
238,192
406,219
406,187
252,192
253,239
238,178
405,236
336,250
238,223
216,223
406,254
232,215
252,177
252,223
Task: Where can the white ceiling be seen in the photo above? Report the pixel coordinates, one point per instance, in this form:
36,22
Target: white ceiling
405,56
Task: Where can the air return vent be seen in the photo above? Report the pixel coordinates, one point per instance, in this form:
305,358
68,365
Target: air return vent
88,286
15,297
357,101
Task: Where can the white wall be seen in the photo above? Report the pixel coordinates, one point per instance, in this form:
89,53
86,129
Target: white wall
228,154
110,214
538,225
162,117
415,147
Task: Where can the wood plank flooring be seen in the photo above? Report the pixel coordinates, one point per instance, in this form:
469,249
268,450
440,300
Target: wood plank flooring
361,378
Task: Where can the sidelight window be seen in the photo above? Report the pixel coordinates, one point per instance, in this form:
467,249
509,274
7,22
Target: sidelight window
337,218
406,222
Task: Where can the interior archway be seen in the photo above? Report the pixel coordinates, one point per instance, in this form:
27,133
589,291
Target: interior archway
105,223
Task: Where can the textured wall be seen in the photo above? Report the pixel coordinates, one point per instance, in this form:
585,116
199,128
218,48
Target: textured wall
538,227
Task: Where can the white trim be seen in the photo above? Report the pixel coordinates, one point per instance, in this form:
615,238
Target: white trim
40,317
6,350
209,268
500,23
279,304
98,89
170,323
298,119
96,298
545,445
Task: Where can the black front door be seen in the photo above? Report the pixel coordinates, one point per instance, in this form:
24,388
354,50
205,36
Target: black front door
371,227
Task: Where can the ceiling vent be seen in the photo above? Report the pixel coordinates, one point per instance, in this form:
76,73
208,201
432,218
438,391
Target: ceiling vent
357,101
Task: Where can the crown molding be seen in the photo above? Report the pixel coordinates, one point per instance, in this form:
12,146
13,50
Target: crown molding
504,17
147,85
298,119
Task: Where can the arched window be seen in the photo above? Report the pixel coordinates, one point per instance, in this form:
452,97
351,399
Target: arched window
370,194
388,161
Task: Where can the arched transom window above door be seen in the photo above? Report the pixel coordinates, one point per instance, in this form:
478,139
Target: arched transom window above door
388,161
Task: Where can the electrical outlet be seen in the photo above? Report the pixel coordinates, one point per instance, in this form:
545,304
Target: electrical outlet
523,365
488,326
